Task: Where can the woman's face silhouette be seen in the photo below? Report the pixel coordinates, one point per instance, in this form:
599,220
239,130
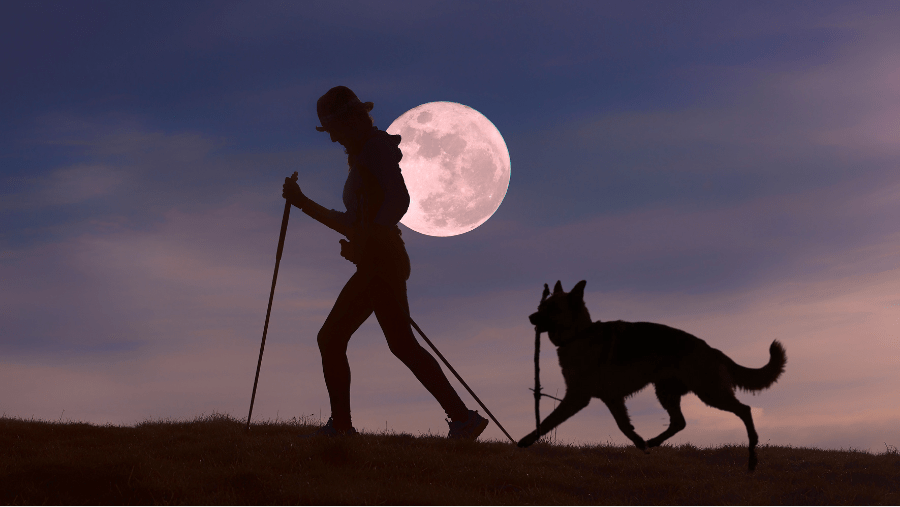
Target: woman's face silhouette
347,131
339,132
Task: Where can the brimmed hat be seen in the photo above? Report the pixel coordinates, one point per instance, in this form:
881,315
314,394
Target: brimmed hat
337,103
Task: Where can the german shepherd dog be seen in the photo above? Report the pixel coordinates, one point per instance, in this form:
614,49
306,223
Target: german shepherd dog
614,360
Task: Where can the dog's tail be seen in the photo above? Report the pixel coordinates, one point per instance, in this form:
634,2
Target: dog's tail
757,379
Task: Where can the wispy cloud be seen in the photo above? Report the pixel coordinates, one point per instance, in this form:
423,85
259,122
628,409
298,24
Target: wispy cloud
64,186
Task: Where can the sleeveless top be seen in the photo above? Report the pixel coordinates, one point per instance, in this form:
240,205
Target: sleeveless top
375,194
375,191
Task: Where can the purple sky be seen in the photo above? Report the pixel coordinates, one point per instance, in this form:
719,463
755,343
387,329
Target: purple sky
729,169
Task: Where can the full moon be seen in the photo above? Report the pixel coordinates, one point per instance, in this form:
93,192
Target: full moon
456,167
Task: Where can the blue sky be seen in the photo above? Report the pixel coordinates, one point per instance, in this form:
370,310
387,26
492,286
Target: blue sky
726,168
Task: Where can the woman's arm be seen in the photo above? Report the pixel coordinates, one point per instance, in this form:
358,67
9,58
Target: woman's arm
330,218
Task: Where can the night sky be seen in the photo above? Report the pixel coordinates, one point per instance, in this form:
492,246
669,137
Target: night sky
726,168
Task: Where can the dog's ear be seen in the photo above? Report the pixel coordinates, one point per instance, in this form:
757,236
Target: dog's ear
578,291
557,288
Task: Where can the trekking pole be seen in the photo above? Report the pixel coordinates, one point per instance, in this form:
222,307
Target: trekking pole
463,382
262,346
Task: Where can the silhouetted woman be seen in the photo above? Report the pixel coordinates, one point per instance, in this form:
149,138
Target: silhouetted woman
376,199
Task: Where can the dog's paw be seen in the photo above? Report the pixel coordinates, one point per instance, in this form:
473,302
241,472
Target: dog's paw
640,444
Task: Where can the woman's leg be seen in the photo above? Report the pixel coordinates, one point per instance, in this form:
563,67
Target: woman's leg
352,308
392,311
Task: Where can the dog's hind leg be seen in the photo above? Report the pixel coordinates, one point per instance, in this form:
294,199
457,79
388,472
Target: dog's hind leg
569,406
620,414
669,393
729,403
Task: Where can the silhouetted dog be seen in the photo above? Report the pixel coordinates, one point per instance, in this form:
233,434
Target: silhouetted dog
613,360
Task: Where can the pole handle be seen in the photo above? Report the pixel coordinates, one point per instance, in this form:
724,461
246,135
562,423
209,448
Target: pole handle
284,222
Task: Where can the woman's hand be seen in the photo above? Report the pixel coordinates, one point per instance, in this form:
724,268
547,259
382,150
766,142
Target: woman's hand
354,249
291,191
361,240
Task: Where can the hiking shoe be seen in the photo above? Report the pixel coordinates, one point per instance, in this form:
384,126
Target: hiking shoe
330,431
470,428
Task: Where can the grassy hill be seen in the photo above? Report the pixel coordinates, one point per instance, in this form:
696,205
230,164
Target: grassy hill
212,460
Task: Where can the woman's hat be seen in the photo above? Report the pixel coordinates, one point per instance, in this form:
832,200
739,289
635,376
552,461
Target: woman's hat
337,103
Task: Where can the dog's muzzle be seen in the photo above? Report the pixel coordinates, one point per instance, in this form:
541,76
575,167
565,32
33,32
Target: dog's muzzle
538,322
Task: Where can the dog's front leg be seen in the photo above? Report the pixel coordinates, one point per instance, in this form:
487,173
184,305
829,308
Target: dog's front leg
569,406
